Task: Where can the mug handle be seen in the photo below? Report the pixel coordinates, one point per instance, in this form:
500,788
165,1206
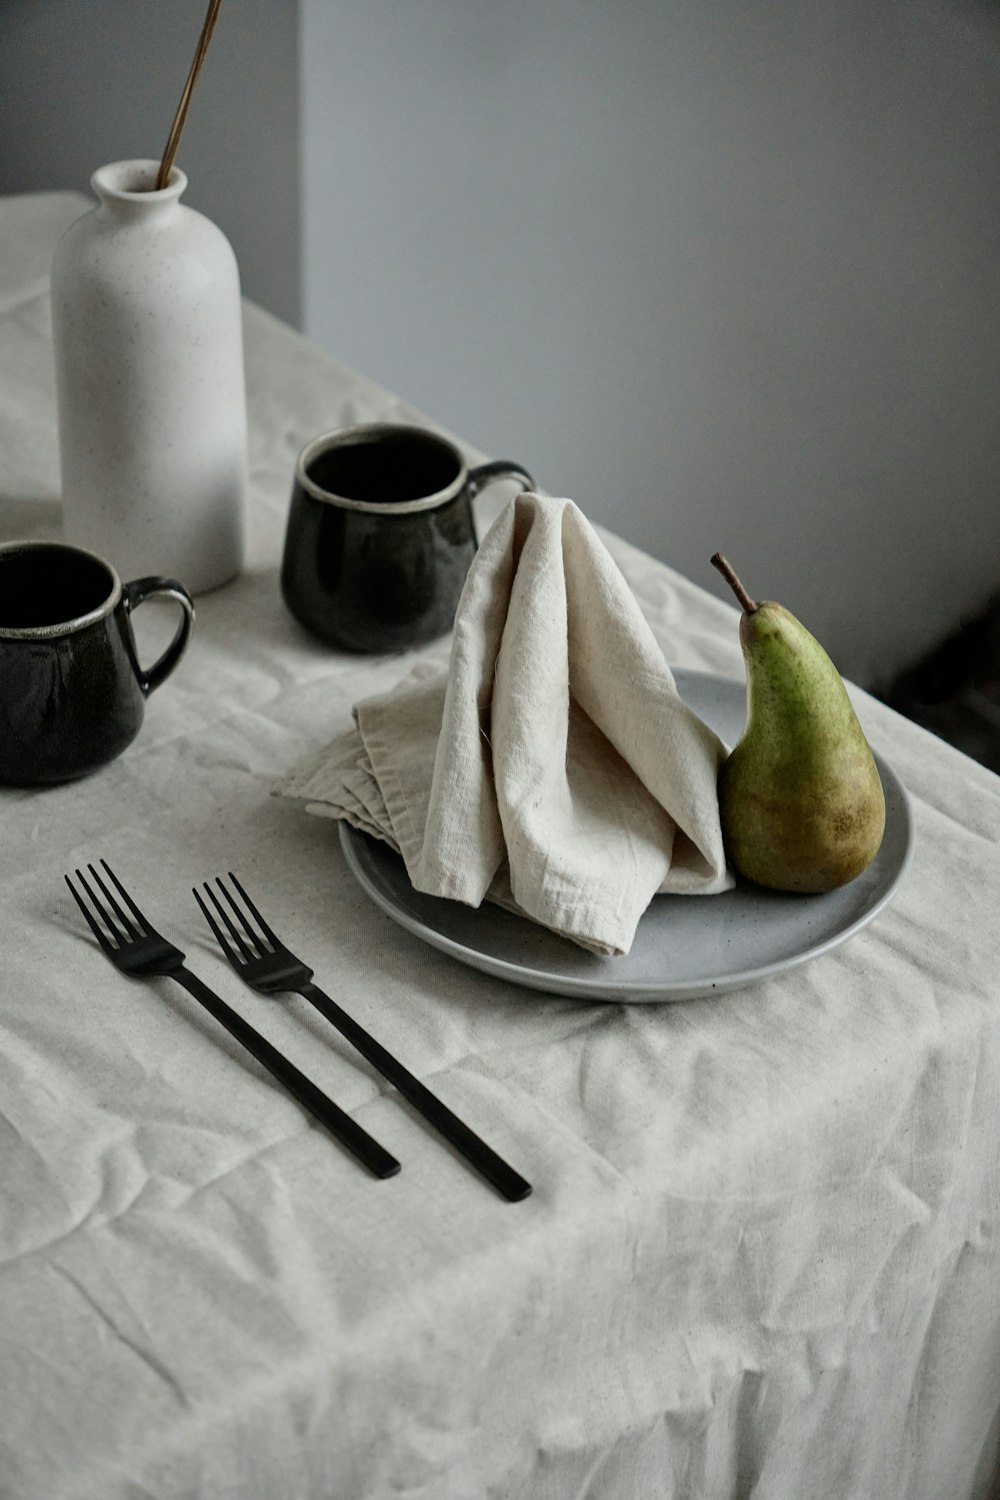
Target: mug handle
500,468
134,594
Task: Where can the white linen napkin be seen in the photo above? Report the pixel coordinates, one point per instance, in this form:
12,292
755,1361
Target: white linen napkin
553,765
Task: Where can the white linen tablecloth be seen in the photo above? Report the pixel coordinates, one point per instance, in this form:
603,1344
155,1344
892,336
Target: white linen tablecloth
761,1254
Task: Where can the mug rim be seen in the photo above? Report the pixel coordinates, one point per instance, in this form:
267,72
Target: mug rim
61,628
346,437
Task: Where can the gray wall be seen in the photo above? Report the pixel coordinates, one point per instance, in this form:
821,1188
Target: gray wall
83,84
725,273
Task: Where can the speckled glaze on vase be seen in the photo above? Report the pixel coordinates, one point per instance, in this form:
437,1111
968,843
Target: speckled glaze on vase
150,382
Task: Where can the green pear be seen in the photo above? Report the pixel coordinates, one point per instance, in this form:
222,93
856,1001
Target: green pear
800,799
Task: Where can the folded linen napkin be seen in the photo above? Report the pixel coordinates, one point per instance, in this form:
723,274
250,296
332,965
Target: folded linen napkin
553,765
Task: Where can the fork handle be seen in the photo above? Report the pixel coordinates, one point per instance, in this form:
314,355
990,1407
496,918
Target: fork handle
337,1122
510,1184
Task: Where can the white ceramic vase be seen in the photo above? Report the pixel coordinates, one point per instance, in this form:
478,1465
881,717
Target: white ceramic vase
150,382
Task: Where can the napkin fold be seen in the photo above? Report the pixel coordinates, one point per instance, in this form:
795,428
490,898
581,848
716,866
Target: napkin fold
553,765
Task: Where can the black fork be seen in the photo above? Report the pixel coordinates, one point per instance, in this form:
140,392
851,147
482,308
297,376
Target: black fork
261,959
134,946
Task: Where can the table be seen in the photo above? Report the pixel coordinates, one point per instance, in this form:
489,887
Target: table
761,1253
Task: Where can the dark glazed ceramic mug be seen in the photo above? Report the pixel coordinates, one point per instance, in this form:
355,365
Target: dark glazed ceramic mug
72,692
380,534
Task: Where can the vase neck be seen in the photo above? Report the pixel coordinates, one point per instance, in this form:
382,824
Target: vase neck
125,188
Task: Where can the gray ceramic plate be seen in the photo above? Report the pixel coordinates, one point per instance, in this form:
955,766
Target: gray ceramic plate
685,945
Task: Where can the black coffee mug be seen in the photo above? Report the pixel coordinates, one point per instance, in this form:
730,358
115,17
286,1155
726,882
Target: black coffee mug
380,534
72,692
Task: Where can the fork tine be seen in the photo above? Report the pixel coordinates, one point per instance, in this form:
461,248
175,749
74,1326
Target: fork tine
119,913
272,936
95,902
220,936
91,921
141,918
259,943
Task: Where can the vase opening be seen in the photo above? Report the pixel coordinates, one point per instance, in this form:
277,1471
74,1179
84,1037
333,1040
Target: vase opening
132,182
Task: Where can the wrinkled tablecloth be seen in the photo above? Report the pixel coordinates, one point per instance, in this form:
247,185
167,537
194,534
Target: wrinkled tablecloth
761,1254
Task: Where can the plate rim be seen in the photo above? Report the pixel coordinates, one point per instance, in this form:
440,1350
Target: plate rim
352,840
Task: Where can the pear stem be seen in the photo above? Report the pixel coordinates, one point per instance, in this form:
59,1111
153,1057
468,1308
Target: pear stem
748,605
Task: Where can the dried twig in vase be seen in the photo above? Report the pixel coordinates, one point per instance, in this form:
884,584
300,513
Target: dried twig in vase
173,139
